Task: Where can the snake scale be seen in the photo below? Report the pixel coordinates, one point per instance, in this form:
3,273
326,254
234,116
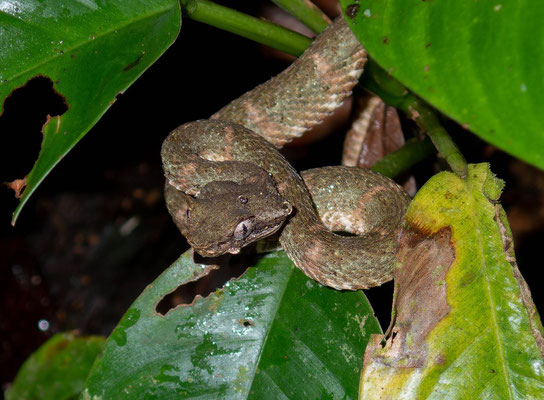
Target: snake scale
228,186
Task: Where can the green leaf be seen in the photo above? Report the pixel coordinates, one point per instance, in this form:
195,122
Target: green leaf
91,51
58,369
479,62
465,326
271,333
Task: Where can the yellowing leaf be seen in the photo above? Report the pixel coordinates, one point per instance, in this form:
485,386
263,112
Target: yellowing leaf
465,325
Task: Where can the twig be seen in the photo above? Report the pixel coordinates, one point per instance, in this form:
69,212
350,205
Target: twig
411,153
244,25
395,94
306,12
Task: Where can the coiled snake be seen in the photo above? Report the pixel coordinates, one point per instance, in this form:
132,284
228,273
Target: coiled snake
226,186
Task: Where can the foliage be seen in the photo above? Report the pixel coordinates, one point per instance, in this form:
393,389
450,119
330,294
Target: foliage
58,369
477,62
273,332
471,330
90,52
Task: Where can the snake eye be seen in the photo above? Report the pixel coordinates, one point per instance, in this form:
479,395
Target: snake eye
244,228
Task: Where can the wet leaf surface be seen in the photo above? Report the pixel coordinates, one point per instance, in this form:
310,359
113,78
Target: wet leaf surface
58,369
478,62
269,334
465,325
90,51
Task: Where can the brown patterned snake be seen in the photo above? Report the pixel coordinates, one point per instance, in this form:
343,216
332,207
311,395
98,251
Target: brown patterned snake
226,186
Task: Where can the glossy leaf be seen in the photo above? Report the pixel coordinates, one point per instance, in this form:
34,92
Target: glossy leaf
465,326
479,62
91,51
58,369
272,333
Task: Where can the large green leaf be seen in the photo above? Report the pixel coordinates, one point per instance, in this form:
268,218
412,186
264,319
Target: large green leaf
480,62
273,333
465,326
90,50
58,369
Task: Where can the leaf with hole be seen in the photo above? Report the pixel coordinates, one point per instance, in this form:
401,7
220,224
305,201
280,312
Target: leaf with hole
58,369
477,61
272,333
90,51
465,324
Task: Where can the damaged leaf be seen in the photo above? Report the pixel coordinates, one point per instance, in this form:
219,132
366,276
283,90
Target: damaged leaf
58,369
476,61
272,333
90,51
465,325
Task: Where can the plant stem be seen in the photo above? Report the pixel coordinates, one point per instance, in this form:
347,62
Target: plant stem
244,25
306,12
427,120
394,93
408,155
376,80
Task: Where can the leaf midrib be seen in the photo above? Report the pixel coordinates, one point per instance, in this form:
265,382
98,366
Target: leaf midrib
487,287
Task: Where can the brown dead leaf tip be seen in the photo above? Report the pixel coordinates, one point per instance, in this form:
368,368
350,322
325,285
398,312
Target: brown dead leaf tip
352,10
17,186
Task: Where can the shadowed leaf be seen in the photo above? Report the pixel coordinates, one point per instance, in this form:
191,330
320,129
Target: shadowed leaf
58,369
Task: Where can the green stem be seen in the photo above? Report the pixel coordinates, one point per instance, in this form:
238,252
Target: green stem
427,120
306,12
394,93
377,80
244,25
411,153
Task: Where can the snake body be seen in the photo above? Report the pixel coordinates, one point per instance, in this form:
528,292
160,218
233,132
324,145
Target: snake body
232,158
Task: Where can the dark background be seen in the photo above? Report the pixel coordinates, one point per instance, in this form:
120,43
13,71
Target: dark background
96,231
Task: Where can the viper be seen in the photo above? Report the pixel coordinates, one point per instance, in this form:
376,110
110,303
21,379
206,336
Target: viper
228,186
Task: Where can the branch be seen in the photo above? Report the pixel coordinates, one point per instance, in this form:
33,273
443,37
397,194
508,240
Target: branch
244,25
306,12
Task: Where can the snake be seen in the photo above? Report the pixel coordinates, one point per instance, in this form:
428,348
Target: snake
227,185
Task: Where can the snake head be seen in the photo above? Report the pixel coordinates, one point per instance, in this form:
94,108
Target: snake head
225,216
